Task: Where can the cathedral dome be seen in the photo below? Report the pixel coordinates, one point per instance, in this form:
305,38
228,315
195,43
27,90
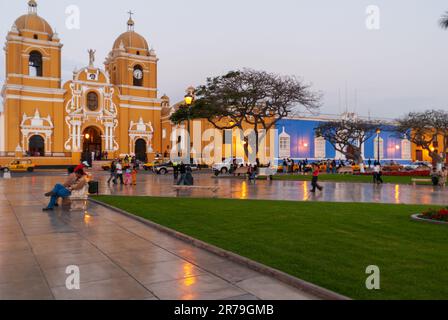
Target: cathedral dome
31,22
131,40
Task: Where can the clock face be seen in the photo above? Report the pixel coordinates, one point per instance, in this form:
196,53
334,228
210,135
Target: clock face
138,74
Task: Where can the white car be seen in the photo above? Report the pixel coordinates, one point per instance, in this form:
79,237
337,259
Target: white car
224,167
418,165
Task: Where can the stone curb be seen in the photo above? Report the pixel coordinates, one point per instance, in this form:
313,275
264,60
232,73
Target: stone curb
416,217
305,286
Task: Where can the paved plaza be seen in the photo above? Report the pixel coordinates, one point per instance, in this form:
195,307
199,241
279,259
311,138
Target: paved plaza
154,185
120,258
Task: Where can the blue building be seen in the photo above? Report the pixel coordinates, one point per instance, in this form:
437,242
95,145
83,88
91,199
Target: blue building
297,140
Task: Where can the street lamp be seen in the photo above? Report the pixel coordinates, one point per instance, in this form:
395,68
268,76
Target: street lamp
189,99
378,132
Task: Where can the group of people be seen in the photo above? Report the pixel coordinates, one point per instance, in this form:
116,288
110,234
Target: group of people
439,177
185,172
123,171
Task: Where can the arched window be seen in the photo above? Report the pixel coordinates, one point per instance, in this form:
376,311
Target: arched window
36,146
35,64
138,76
92,101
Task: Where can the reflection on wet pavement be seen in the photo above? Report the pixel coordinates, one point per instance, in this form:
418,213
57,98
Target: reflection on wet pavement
118,257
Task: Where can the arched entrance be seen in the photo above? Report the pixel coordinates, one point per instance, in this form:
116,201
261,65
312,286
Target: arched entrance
140,150
36,147
92,143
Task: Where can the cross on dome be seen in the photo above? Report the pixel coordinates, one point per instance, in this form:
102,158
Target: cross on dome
131,22
32,6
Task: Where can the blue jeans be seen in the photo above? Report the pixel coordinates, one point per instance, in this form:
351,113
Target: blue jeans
59,191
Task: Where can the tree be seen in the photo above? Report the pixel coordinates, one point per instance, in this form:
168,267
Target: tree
348,135
256,98
424,128
444,21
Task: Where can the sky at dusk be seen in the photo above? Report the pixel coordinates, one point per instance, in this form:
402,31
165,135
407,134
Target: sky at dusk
386,72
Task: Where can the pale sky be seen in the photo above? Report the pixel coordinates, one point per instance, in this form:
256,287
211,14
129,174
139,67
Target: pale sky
401,67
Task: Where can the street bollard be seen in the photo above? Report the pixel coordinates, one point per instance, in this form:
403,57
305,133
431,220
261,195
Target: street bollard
6,174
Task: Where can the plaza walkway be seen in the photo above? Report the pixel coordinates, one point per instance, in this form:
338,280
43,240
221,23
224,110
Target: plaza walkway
154,185
118,257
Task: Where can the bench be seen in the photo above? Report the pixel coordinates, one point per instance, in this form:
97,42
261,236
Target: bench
213,189
345,170
267,172
415,180
240,171
77,201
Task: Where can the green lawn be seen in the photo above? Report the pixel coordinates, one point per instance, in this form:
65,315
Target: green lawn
329,244
350,178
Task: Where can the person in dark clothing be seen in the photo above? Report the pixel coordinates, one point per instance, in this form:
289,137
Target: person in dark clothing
183,175
176,170
113,173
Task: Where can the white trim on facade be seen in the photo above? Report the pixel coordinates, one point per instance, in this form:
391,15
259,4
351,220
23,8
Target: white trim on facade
130,106
140,99
22,76
27,98
34,89
137,88
41,43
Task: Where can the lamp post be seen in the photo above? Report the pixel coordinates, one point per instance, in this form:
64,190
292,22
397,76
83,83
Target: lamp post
378,132
189,99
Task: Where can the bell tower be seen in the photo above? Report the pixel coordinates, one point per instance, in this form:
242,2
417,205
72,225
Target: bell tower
132,67
33,85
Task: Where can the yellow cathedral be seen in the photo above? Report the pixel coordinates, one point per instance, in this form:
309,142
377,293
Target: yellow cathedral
114,111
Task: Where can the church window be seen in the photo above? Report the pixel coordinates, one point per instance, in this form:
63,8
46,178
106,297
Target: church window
36,37
35,64
138,76
92,101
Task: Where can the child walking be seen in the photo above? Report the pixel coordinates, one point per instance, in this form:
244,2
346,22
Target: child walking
134,176
127,177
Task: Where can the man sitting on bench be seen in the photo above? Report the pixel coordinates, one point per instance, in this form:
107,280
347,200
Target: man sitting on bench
64,191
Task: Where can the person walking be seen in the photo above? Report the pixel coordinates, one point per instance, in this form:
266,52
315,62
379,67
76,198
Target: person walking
443,177
113,173
134,176
128,176
435,177
377,175
315,180
119,173
183,174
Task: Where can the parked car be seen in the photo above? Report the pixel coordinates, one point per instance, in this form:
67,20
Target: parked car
168,168
226,166
150,165
418,165
21,165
